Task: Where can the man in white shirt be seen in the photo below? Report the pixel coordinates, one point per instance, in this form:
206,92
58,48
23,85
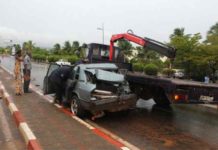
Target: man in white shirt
27,72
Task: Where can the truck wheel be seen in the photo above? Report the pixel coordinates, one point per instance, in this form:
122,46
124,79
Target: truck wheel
76,107
160,98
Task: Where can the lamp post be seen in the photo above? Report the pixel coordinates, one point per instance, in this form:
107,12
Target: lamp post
102,29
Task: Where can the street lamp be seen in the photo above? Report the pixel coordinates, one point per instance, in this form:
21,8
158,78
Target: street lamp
102,29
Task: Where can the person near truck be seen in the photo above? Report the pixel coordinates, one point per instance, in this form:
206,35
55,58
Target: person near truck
58,80
27,72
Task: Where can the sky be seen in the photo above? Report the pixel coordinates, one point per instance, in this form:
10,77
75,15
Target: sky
47,22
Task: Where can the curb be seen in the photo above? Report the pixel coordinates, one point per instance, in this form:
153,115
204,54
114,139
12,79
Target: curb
29,137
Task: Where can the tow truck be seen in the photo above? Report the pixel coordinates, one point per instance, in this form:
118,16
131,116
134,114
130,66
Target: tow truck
163,91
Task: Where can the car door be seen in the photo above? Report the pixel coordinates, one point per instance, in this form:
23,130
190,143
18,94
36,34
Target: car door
47,88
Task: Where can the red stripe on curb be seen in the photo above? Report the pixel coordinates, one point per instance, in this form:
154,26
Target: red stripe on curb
107,138
67,112
18,118
33,145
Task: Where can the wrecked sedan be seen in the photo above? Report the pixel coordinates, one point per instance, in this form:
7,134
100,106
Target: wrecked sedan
99,88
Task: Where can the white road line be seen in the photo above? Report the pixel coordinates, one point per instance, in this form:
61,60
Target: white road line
125,148
126,144
83,122
58,106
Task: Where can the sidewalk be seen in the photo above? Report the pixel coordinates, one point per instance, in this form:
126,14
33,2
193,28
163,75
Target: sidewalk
53,129
10,138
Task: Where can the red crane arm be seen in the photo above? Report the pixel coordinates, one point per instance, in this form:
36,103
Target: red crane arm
127,36
144,42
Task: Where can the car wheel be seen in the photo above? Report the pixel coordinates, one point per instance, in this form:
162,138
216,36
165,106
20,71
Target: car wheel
76,107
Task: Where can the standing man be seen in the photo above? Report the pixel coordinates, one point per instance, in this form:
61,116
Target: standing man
27,72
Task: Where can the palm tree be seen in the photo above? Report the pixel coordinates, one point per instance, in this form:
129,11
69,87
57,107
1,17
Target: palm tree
28,46
57,48
126,48
67,47
75,48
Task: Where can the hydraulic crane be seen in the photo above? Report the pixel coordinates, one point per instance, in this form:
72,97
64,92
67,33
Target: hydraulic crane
159,47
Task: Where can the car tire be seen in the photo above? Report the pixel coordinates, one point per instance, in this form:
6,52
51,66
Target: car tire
76,107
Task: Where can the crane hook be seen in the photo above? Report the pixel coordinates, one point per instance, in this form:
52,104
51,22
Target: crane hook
130,31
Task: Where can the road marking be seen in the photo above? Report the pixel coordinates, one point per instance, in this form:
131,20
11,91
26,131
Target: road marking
83,122
58,106
125,148
127,144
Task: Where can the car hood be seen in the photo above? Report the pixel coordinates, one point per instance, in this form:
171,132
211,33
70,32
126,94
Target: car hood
104,75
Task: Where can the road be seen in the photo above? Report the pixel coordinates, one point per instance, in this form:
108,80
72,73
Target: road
151,127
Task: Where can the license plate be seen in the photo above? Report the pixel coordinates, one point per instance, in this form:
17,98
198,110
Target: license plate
206,98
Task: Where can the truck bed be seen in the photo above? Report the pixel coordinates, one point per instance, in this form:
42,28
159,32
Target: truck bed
190,91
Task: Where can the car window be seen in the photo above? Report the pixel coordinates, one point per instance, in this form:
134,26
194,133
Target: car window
52,67
76,72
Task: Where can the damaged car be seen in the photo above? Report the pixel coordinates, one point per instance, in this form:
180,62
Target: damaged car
99,88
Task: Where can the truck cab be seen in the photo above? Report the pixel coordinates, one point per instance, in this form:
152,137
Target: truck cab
99,53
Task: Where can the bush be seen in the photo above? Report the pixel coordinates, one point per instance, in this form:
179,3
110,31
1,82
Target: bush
53,58
151,69
168,72
138,67
72,59
39,57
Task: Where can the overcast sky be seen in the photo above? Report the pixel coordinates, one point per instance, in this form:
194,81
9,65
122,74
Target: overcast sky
49,21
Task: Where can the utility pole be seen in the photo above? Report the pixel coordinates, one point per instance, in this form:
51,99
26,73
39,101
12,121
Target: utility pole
102,29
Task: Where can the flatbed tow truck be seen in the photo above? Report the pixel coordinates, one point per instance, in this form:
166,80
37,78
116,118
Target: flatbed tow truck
163,91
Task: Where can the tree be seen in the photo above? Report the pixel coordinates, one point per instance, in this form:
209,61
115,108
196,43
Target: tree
67,47
83,49
75,48
17,47
187,46
178,32
211,50
29,46
125,46
57,49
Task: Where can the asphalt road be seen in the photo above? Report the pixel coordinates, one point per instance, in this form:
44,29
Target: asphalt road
151,127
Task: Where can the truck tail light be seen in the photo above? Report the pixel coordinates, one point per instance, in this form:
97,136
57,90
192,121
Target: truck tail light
180,97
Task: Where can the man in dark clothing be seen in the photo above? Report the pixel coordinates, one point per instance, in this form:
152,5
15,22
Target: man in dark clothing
58,79
27,72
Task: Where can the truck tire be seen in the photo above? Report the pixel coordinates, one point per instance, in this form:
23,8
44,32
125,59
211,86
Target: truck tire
76,107
160,97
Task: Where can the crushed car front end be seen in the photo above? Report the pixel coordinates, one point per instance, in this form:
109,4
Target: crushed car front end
105,90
